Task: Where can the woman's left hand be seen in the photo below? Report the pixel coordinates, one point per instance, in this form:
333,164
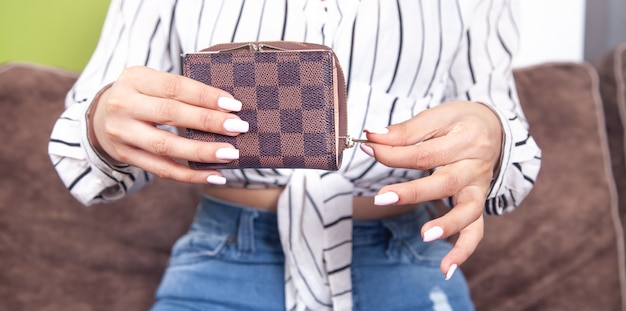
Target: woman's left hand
461,142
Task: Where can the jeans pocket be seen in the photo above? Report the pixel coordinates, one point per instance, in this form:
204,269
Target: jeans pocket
197,246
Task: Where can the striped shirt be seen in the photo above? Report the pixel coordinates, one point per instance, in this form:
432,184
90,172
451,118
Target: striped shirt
399,58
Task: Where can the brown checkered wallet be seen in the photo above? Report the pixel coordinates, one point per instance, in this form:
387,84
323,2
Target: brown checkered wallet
293,96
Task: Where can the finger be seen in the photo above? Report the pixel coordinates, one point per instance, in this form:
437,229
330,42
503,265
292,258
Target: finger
455,220
467,118
466,218
425,155
425,125
466,244
166,85
172,112
445,182
165,144
170,169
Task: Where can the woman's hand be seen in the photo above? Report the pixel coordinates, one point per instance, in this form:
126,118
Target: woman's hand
124,118
461,142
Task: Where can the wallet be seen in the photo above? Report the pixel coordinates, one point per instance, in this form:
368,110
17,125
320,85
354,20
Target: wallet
293,95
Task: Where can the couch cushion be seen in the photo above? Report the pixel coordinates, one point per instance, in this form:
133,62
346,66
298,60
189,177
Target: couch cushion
57,254
560,249
612,72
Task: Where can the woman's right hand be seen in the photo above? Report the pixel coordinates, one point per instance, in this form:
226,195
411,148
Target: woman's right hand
124,118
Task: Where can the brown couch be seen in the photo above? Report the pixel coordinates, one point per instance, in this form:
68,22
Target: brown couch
561,250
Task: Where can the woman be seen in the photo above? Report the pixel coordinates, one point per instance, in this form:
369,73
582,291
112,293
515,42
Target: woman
429,84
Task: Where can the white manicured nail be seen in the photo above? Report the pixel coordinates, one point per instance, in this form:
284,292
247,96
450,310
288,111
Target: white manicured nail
433,234
451,271
382,130
228,103
227,154
367,149
216,180
386,198
236,126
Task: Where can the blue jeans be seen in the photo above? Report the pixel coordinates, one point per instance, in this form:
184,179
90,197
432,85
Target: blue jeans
231,259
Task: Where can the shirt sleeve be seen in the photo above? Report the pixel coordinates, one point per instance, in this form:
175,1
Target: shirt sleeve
134,33
482,72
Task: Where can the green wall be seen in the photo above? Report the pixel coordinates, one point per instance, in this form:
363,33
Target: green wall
60,33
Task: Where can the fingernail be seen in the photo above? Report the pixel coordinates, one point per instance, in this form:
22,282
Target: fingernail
451,271
382,130
367,149
228,103
386,198
433,234
216,180
227,154
236,126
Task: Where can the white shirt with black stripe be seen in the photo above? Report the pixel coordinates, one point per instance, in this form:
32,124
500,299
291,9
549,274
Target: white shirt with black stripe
399,58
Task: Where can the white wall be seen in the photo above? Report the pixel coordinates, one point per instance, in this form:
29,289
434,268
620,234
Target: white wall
551,30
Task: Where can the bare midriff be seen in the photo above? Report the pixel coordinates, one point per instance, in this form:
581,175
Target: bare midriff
267,199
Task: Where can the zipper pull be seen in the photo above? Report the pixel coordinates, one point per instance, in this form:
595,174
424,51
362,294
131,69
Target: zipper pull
351,142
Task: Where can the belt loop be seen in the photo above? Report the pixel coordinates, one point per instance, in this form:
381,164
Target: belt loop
394,243
245,231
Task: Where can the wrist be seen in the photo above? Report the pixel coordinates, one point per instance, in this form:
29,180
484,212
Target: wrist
91,133
501,135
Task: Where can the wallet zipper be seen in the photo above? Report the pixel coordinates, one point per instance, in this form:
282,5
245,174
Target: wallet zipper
250,46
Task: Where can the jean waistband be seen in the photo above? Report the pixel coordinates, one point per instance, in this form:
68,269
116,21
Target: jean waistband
230,217
403,226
